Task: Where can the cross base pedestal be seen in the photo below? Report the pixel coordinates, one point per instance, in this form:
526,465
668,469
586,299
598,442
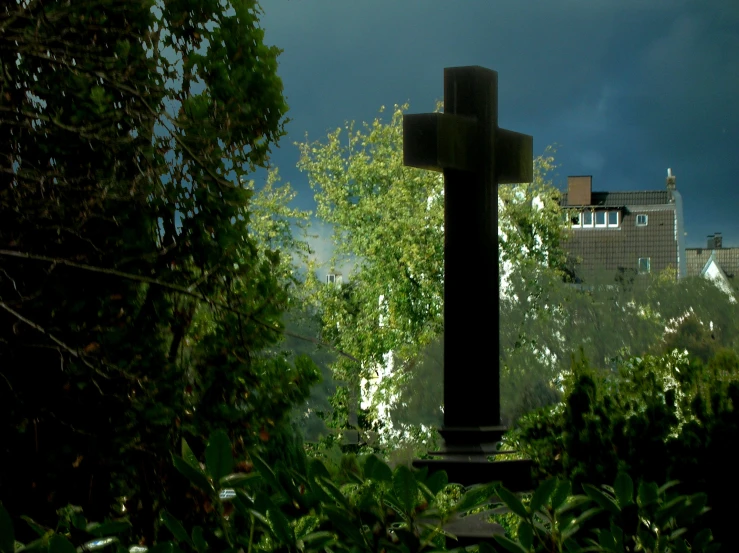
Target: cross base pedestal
465,458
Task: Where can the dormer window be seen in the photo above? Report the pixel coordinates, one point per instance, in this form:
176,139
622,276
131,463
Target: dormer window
591,218
641,220
587,218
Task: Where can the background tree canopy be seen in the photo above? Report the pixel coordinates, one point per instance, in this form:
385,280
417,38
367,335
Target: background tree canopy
387,222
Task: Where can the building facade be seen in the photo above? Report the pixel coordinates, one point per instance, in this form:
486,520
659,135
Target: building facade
716,262
620,235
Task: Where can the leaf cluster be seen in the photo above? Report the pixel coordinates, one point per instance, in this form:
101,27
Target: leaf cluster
140,291
608,519
276,508
670,408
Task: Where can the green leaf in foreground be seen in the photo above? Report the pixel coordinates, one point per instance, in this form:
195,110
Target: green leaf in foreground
175,526
189,456
542,494
601,499
509,544
624,489
195,476
437,481
198,540
513,503
7,539
405,488
60,544
280,526
218,456
107,528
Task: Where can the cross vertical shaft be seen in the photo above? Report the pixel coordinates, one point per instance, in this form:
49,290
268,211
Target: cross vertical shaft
471,314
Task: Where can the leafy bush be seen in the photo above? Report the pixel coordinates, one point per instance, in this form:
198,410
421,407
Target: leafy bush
137,305
264,508
653,520
677,411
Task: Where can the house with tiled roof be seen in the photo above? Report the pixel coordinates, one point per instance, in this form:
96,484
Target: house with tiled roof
619,235
715,262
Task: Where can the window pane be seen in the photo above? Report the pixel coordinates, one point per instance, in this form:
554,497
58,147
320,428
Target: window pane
612,218
587,218
575,219
643,264
600,217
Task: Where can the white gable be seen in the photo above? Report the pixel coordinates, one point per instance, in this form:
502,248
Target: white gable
713,272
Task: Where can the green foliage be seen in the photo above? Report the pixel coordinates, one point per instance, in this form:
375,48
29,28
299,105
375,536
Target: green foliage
610,322
606,519
7,536
140,294
277,508
387,222
671,408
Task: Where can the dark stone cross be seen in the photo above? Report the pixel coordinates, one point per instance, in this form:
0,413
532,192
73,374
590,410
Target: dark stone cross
475,156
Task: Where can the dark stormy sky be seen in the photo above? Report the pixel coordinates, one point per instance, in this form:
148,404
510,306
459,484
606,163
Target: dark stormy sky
626,88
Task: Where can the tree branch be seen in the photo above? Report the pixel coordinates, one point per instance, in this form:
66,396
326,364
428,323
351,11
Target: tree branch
64,346
173,287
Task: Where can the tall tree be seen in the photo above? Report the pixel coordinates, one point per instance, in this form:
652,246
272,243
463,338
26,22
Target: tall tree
135,306
387,221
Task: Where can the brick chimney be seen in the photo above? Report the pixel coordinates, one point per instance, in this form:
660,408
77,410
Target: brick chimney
714,241
670,180
579,190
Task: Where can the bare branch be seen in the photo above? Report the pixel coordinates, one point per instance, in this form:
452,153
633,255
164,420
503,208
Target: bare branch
174,288
57,341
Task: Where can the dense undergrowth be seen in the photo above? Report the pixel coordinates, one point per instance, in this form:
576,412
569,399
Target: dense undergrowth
656,431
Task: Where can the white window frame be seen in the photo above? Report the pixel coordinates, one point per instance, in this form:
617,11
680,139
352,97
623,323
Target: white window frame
577,214
608,217
649,265
605,219
646,219
582,219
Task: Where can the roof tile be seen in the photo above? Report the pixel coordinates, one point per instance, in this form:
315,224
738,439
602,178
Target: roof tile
618,199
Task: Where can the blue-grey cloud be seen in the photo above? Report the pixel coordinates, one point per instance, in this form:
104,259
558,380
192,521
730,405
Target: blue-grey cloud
626,88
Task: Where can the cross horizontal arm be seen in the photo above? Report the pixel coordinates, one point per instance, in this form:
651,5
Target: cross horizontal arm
438,141
513,157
